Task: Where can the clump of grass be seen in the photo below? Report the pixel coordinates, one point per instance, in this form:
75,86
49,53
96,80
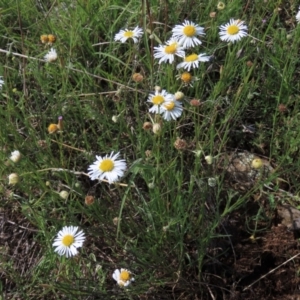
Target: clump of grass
160,220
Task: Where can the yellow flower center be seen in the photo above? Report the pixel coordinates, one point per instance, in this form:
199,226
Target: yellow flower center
158,100
186,77
125,275
128,34
189,30
106,165
170,106
68,240
233,29
192,57
171,49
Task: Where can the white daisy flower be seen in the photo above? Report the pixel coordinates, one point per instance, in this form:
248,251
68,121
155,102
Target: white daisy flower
172,110
233,31
123,277
51,55
192,61
186,34
124,35
68,240
1,82
157,99
107,167
167,52
298,16
15,156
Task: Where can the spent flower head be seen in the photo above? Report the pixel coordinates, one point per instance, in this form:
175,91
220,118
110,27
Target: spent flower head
123,277
68,240
124,35
192,61
107,167
186,34
167,52
51,55
233,31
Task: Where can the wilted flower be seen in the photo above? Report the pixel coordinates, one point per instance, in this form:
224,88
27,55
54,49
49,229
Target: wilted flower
137,77
147,126
179,95
180,144
51,39
221,5
52,128
123,277
44,38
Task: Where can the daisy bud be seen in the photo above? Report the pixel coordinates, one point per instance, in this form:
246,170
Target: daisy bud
44,38
180,144
89,200
52,128
151,185
256,163
156,128
115,119
147,126
221,5
15,156
137,77
249,63
64,195
157,88
212,182
13,179
179,95
209,159
116,221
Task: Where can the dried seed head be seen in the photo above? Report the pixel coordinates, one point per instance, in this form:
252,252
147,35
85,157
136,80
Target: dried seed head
282,108
195,102
147,126
137,77
212,14
180,144
249,63
89,200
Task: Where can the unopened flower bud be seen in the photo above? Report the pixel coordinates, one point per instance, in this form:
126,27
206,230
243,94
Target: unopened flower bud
157,88
15,156
64,195
137,77
156,128
115,119
221,5
13,179
179,95
256,163
209,159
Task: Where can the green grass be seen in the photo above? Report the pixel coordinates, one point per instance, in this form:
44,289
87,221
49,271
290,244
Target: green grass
168,214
